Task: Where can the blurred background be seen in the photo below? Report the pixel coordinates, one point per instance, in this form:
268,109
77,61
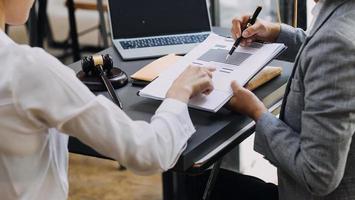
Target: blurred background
232,8
87,22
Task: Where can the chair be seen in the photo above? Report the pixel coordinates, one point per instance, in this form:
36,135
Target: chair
82,5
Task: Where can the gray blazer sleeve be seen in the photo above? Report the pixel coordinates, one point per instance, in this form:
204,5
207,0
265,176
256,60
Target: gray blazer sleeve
316,156
293,39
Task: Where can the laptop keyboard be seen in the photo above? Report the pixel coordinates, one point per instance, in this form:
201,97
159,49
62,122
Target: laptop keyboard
163,41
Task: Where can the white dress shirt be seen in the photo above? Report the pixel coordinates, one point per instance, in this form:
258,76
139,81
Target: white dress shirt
315,12
42,102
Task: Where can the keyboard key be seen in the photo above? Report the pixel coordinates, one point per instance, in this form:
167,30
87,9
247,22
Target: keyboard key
163,41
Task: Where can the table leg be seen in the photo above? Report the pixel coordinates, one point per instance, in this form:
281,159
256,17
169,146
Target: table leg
215,12
73,31
168,185
212,180
103,30
6,28
32,26
41,26
176,186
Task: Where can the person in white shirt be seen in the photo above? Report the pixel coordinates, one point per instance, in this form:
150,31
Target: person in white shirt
42,103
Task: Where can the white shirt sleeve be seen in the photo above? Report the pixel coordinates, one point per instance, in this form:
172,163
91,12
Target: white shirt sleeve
50,96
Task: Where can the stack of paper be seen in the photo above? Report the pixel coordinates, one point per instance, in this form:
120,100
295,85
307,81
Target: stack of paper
241,67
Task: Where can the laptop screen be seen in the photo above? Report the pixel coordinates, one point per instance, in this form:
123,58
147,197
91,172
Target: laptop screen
144,18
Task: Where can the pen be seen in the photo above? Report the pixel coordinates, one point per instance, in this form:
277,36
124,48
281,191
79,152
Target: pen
251,21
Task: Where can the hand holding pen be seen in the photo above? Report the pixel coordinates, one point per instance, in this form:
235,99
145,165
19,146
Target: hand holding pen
251,21
260,31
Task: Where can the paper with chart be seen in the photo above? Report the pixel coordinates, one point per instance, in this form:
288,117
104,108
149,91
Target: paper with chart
241,67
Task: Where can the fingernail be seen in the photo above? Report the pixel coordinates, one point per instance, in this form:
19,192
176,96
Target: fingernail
246,34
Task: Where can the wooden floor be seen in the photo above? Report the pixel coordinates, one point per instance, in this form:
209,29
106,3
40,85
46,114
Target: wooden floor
92,178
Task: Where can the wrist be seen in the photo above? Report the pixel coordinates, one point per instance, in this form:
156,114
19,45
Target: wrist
275,29
259,112
181,94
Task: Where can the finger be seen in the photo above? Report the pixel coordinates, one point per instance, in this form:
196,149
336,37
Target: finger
235,87
194,67
232,102
233,34
210,75
243,43
211,69
191,66
208,91
203,72
209,88
248,42
206,84
245,19
206,71
238,23
203,85
236,28
252,30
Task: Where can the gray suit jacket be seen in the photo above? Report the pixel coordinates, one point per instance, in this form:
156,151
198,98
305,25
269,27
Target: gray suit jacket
311,143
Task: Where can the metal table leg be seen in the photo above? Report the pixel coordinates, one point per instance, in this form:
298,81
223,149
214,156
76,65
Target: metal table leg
36,24
73,31
32,26
215,12
103,30
212,180
168,186
6,29
41,26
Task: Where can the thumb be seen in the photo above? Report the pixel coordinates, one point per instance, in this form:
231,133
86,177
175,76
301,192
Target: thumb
252,30
235,86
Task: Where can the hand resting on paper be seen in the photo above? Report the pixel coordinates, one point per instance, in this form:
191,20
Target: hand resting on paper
246,102
193,81
260,31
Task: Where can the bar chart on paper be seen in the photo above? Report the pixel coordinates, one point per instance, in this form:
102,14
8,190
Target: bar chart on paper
219,55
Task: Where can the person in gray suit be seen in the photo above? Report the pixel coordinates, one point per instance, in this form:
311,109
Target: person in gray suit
311,143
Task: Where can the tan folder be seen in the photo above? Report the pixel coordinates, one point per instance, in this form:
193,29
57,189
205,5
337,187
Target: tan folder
152,70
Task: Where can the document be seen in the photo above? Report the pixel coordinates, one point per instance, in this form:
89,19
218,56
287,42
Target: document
242,66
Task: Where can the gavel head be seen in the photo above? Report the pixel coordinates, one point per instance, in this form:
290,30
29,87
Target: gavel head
91,64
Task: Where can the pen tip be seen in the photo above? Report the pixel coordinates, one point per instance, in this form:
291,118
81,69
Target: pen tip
227,57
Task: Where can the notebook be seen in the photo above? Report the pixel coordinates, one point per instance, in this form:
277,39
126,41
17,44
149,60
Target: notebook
242,66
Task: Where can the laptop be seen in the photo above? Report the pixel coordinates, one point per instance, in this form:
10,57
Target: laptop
152,28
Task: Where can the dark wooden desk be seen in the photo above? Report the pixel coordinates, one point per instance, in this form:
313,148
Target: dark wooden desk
213,130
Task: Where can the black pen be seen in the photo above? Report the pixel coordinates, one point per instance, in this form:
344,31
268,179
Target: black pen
251,22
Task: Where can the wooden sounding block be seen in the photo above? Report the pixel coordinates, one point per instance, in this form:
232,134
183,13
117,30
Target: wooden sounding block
264,76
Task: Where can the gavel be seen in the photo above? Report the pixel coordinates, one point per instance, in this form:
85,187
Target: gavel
101,66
